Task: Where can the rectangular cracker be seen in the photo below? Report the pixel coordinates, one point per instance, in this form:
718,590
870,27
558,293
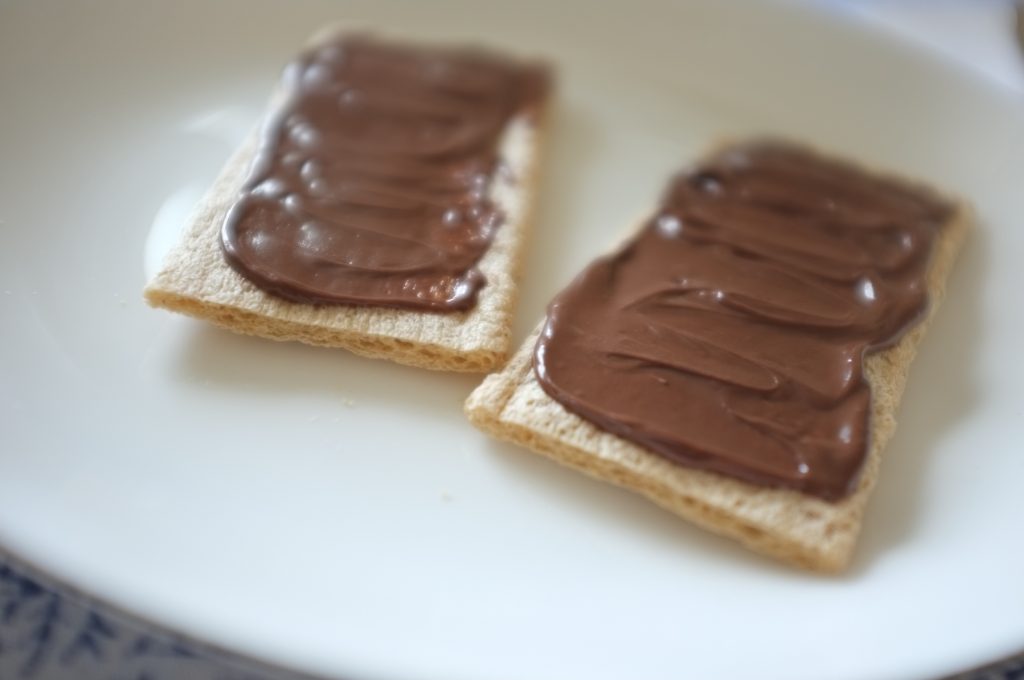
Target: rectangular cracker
797,528
194,279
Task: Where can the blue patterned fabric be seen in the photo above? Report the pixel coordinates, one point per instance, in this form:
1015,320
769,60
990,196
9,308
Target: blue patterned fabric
49,634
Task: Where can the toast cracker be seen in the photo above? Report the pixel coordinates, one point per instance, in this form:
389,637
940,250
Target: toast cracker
195,279
797,528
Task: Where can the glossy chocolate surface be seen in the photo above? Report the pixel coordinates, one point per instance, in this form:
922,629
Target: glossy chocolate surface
371,182
730,333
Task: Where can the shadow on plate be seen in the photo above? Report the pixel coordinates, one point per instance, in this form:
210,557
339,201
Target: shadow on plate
571,142
222,360
941,391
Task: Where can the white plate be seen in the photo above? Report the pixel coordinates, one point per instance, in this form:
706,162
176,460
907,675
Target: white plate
336,514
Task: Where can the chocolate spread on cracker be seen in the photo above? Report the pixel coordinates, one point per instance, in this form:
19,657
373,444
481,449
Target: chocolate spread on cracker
730,333
370,185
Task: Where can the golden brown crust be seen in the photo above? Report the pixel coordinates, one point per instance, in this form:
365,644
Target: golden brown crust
799,529
195,280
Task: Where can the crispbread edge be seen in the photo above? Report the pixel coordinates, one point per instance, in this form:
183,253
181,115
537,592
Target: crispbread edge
796,528
194,279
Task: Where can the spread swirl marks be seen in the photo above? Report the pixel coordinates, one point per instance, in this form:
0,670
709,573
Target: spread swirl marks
371,183
730,333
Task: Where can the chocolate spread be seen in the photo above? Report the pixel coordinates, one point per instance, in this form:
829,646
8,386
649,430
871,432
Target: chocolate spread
729,334
371,182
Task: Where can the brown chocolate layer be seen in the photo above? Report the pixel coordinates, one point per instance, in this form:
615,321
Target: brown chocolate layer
730,333
371,183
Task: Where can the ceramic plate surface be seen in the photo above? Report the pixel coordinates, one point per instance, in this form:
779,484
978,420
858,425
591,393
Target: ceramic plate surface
337,515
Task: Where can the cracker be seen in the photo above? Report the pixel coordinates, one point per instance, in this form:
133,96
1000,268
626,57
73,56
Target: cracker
195,279
797,528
